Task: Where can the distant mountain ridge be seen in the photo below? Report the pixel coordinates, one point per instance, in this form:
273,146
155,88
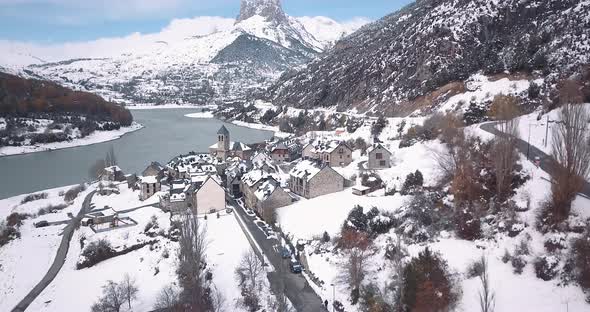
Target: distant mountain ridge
218,67
387,65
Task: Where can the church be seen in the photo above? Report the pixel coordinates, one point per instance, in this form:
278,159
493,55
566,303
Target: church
225,148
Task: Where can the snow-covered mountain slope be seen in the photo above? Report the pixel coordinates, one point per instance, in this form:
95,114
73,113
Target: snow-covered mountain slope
218,60
388,64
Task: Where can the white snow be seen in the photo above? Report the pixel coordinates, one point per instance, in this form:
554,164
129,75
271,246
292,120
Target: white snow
94,138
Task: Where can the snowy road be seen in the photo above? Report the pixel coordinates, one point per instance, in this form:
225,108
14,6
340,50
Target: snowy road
60,257
547,163
297,289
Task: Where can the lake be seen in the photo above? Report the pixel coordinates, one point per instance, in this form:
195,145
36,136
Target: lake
167,133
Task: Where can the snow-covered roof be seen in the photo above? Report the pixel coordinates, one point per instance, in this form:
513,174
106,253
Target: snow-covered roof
112,169
306,169
377,146
325,146
280,147
254,176
266,189
148,179
234,146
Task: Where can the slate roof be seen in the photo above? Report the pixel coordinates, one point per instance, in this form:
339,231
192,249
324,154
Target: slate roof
223,131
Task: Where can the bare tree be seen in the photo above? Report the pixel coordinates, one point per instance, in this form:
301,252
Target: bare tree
97,169
191,261
111,158
218,300
571,152
486,294
113,298
249,270
130,289
354,268
168,298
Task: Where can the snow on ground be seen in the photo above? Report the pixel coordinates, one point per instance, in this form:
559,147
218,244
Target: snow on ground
127,199
23,262
200,115
94,138
481,89
277,132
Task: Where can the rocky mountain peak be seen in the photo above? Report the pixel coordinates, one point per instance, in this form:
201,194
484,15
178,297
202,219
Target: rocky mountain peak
272,10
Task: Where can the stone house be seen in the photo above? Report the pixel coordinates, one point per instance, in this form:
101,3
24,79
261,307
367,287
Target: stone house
113,174
148,187
270,196
280,153
333,153
233,176
225,148
313,178
209,197
154,169
379,157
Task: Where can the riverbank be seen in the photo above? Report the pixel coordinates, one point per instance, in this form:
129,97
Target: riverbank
274,129
94,138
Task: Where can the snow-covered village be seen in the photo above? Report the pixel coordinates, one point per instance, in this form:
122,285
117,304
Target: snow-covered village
278,169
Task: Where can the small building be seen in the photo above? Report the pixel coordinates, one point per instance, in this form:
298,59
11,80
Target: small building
270,196
113,174
361,190
312,178
233,176
154,169
209,197
148,186
333,153
379,157
280,153
225,148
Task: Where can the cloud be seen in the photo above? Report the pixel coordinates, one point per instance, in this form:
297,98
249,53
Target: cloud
18,53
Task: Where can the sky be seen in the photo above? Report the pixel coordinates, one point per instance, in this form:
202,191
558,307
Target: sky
58,21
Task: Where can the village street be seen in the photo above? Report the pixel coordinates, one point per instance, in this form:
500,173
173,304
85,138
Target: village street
297,289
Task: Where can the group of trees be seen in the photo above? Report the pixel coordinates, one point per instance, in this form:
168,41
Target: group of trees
116,295
97,169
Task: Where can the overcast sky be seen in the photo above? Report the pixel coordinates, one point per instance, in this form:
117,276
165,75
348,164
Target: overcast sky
55,21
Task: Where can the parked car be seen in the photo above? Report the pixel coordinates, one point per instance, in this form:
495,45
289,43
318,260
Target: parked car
41,224
285,253
295,267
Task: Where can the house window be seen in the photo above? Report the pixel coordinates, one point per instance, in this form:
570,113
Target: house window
379,156
382,163
340,156
341,151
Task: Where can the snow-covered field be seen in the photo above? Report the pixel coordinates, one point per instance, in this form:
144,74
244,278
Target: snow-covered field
23,262
94,138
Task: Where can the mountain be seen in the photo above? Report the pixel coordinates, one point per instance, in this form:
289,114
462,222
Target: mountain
394,64
230,63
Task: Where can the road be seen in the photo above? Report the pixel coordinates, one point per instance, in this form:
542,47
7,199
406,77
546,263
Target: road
547,163
60,257
297,289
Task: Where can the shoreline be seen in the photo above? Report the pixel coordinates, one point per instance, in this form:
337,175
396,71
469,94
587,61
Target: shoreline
95,138
168,106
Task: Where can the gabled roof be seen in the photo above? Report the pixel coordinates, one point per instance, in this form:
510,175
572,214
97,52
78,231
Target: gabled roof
279,147
326,146
377,146
266,189
306,169
223,131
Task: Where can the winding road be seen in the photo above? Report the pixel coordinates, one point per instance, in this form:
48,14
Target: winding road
546,164
297,289
60,257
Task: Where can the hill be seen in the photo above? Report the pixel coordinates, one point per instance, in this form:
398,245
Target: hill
419,56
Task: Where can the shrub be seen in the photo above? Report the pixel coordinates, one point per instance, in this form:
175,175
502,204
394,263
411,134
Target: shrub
152,224
372,181
580,254
15,219
468,225
475,269
428,285
518,263
378,126
73,193
507,256
7,233
412,183
326,237
96,252
546,267
356,220
371,299
51,208
424,217
33,197
555,242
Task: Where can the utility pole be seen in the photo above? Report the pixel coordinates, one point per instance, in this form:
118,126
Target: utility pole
333,296
528,151
546,130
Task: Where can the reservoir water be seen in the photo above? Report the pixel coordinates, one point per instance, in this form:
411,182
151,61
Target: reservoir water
167,133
